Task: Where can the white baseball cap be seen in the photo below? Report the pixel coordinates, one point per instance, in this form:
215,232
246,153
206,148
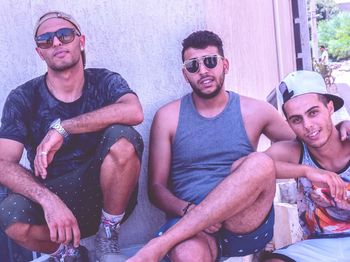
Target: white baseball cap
305,82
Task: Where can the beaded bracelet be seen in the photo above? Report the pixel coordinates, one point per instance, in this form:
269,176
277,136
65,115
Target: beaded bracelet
185,210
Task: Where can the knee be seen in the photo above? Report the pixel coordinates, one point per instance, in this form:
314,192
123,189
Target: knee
191,250
263,165
19,232
122,152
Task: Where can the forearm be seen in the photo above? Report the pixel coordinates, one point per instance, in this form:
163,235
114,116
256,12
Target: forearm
19,180
117,113
166,201
286,170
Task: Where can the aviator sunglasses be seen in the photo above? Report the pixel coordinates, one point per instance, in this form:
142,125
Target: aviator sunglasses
65,35
210,61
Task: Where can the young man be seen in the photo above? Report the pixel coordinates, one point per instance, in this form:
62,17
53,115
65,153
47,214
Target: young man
194,142
324,217
324,55
84,155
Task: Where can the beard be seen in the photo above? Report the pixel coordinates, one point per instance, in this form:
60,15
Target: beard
64,66
213,94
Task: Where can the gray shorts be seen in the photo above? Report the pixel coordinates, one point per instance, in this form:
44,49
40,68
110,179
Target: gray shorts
315,250
79,190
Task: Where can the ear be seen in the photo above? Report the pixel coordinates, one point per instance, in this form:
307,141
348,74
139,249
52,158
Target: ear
226,65
185,75
82,42
330,107
39,51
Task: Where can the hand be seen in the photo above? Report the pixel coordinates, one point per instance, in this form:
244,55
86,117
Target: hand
324,178
61,222
211,229
344,129
214,228
45,152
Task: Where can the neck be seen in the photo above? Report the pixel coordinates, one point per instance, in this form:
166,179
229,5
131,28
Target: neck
334,155
66,85
212,106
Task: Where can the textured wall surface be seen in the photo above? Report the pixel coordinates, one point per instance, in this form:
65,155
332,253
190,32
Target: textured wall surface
142,41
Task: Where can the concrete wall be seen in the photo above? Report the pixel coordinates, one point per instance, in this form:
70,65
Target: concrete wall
142,41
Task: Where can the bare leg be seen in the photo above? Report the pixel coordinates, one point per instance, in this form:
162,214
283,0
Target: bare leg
252,181
200,248
119,175
32,237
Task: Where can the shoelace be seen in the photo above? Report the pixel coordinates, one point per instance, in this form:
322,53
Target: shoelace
108,243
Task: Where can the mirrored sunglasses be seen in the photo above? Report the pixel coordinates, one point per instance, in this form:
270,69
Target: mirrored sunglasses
65,35
210,61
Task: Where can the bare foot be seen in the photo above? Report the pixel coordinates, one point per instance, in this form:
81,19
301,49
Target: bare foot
151,252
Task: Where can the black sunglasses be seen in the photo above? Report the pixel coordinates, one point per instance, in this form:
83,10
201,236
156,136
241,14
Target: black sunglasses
210,61
65,35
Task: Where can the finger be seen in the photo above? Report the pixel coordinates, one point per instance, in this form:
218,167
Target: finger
76,235
68,230
343,134
36,167
53,233
42,162
61,234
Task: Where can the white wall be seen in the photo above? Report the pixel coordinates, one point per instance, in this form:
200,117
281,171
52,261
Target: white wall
142,41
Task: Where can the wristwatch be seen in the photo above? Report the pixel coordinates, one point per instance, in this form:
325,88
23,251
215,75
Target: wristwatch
56,124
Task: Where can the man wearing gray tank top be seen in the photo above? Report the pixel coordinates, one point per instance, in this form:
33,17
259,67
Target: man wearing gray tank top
214,207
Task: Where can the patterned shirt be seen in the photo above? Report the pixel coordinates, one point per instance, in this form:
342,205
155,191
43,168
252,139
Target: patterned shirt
30,109
319,214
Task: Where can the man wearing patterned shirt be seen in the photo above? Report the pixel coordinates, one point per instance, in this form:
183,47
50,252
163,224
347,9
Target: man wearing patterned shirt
84,156
324,212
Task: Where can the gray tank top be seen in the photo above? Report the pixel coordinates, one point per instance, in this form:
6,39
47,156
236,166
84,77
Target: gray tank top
319,215
205,148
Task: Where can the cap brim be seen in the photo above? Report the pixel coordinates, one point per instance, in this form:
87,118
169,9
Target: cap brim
338,102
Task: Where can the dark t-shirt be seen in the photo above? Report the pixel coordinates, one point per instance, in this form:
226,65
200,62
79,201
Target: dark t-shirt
30,109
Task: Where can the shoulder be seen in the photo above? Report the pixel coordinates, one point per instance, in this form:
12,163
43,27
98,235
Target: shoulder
167,117
169,110
102,75
27,91
255,105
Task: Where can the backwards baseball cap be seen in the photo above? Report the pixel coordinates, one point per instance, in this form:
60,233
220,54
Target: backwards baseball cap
61,15
305,82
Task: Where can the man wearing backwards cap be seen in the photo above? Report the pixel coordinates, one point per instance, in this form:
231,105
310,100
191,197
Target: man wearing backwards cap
324,212
76,127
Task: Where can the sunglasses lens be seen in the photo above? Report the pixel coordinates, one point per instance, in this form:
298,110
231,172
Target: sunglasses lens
210,61
44,41
192,66
65,35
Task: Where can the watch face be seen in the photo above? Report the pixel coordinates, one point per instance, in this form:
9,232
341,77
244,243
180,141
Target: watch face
56,124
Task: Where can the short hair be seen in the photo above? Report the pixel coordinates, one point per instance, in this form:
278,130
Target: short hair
322,98
322,46
201,40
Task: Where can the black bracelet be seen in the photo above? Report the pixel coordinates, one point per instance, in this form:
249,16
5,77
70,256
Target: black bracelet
185,210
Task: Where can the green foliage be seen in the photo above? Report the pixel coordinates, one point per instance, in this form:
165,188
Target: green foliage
335,35
326,9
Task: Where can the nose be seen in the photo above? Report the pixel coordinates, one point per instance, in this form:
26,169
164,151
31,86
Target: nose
56,41
202,68
307,123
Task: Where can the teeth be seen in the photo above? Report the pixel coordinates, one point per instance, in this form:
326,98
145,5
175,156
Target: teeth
313,134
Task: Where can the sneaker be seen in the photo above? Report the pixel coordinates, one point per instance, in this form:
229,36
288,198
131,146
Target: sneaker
107,244
79,254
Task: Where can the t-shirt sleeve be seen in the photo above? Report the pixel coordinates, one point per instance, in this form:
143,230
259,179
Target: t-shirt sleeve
13,118
117,87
